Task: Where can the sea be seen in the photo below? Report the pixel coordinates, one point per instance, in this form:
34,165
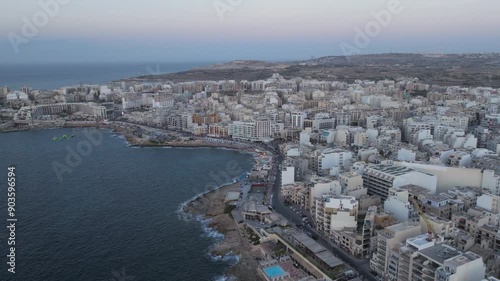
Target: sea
50,76
95,209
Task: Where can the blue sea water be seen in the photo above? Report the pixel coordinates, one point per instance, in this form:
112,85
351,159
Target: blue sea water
53,76
115,216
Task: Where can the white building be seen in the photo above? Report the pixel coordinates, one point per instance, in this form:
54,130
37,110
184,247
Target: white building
288,175
305,138
378,179
489,202
297,120
398,206
323,186
411,127
327,159
466,267
259,130
336,213
406,155
352,184
387,240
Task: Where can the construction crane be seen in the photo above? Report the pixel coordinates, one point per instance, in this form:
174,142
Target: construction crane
430,229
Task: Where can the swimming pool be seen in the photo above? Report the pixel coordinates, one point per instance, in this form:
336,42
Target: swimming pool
275,271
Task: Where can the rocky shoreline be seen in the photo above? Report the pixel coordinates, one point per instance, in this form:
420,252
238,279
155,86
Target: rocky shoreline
210,206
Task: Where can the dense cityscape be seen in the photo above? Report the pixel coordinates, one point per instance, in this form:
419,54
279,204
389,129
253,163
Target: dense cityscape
370,180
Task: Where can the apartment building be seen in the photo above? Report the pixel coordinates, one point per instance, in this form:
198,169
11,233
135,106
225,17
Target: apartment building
387,240
352,184
259,130
324,160
297,120
411,127
336,213
398,206
378,179
420,259
437,205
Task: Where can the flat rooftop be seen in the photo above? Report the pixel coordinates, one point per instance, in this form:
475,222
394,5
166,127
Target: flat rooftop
308,242
463,259
319,251
232,196
392,169
439,253
329,259
420,242
402,226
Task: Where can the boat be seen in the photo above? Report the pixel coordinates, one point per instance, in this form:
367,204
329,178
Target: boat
64,137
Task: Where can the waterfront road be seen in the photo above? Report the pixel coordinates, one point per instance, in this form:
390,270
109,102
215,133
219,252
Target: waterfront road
362,266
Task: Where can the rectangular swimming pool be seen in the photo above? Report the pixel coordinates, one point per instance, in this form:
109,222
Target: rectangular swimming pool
275,271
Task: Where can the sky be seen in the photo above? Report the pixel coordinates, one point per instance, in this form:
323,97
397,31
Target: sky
224,30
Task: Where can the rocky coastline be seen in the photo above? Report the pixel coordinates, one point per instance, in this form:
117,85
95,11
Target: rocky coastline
211,207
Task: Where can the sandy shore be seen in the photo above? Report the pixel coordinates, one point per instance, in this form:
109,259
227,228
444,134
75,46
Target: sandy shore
211,206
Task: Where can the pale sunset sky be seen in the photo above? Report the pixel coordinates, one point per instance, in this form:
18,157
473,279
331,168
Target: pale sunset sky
194,31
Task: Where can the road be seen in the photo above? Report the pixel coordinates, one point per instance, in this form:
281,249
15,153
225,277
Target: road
362,266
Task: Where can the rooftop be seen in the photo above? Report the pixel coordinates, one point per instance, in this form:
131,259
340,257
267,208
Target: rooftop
308,242
329,259
401,226
319,251
463,259
439,253
392,169
420,242
232,196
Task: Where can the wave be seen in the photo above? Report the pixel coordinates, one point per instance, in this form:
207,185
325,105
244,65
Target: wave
228,258
225,278
209,231
180,211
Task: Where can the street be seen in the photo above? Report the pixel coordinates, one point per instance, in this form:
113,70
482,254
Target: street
362,266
